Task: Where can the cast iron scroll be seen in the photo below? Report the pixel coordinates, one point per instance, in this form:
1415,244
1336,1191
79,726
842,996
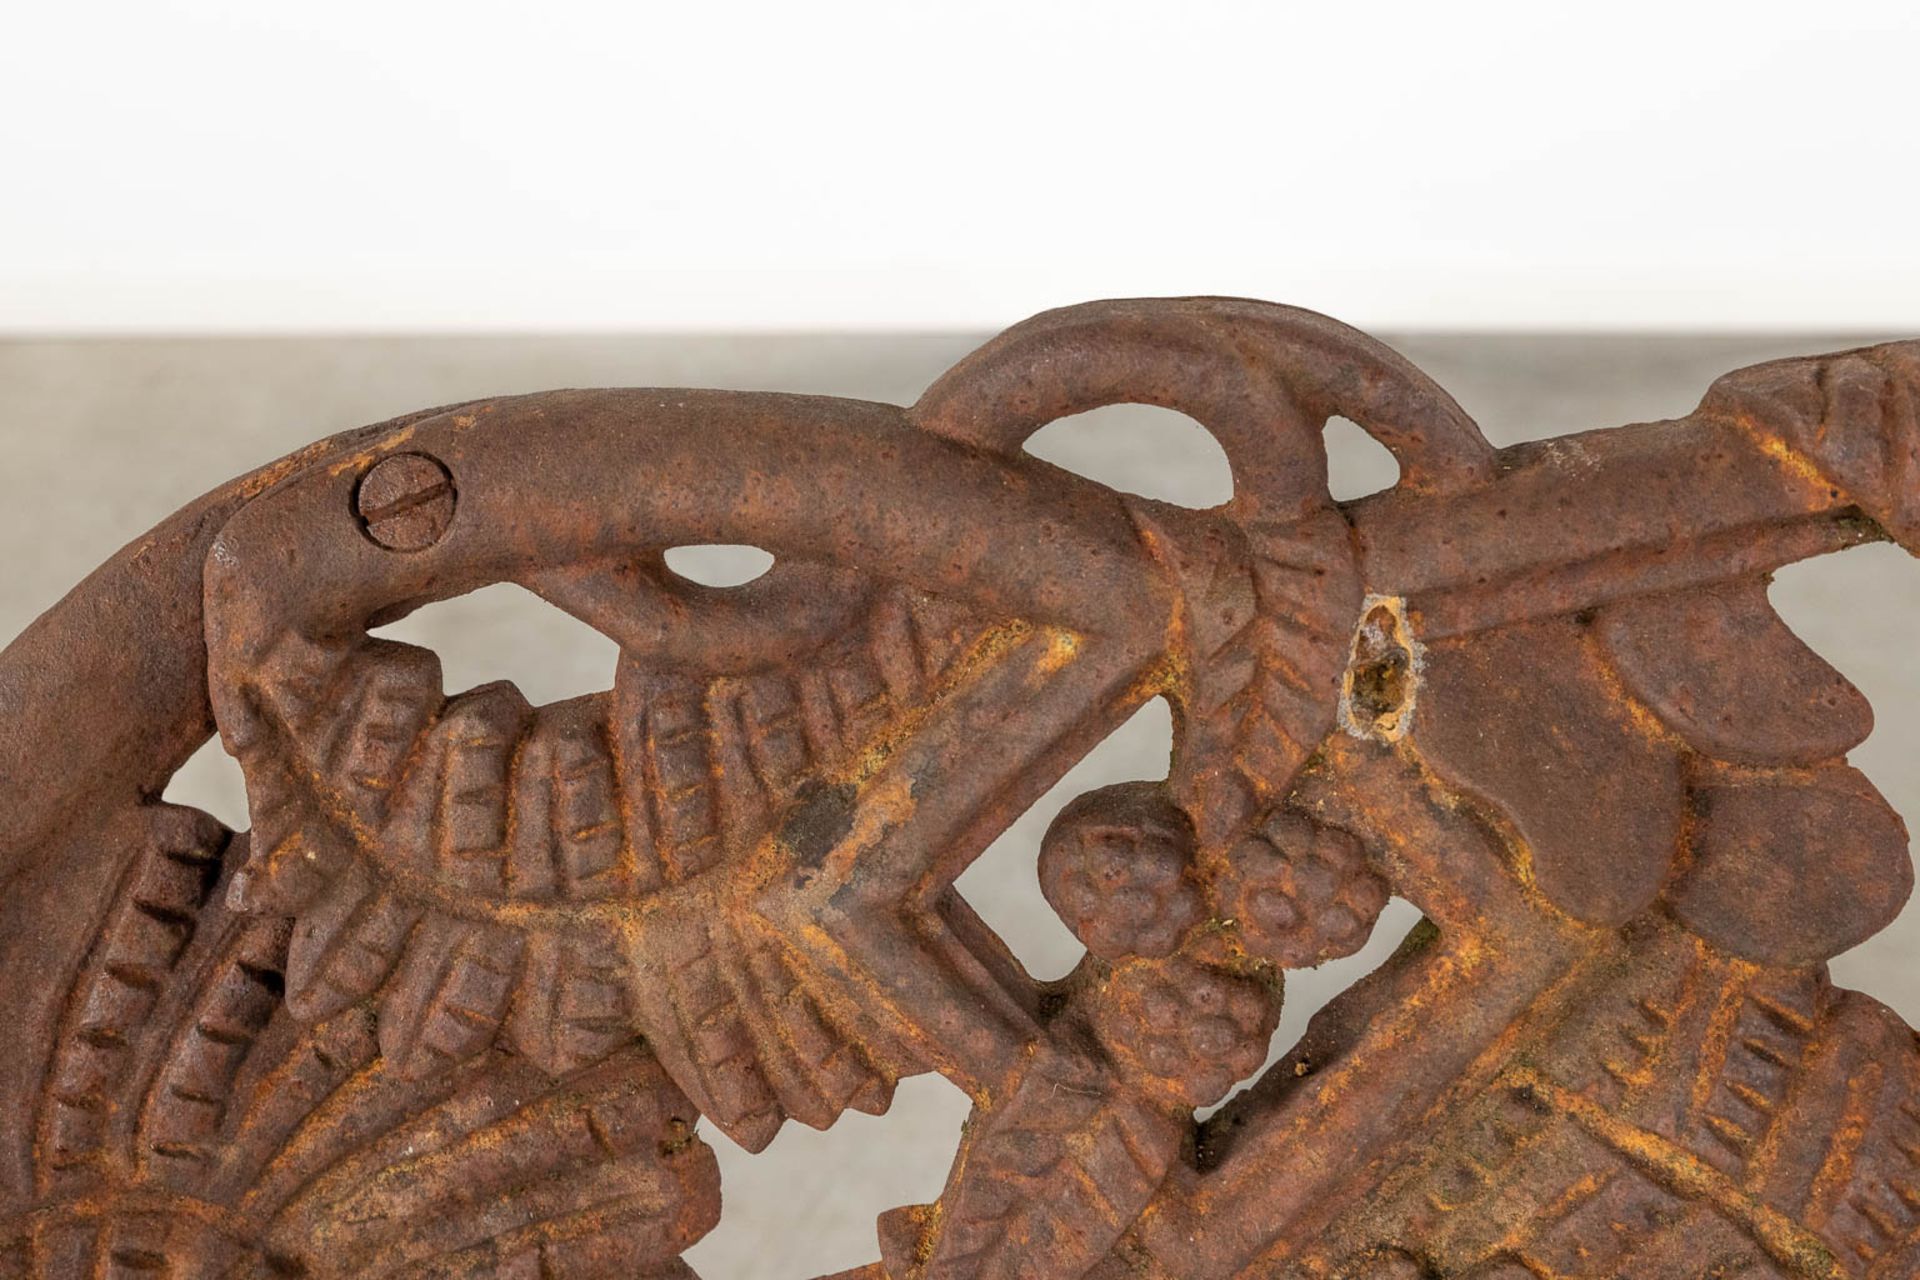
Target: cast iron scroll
456,1003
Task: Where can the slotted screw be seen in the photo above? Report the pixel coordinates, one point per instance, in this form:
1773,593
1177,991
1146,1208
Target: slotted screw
406,502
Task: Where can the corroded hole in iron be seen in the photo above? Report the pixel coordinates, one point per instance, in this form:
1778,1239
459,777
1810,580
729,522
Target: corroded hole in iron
1383,672
718,564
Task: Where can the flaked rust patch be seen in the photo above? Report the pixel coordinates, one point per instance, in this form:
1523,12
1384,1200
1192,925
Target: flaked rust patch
373,452
819,820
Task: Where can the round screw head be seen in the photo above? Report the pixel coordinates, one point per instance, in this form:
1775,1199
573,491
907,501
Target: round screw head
406,502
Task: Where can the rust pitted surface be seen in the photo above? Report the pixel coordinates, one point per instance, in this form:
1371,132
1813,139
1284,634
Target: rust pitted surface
460,1001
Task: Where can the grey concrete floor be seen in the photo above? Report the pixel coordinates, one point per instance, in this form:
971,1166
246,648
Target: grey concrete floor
101,439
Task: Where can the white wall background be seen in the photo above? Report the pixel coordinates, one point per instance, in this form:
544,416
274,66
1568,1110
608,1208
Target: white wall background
391,165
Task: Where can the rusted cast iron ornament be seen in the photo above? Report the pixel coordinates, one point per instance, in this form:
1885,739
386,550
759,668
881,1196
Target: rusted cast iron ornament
455,1004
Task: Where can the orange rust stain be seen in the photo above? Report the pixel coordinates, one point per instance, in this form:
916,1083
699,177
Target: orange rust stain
885,804
1062,648
366,457
1784,1240
1837,1171
1797,464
